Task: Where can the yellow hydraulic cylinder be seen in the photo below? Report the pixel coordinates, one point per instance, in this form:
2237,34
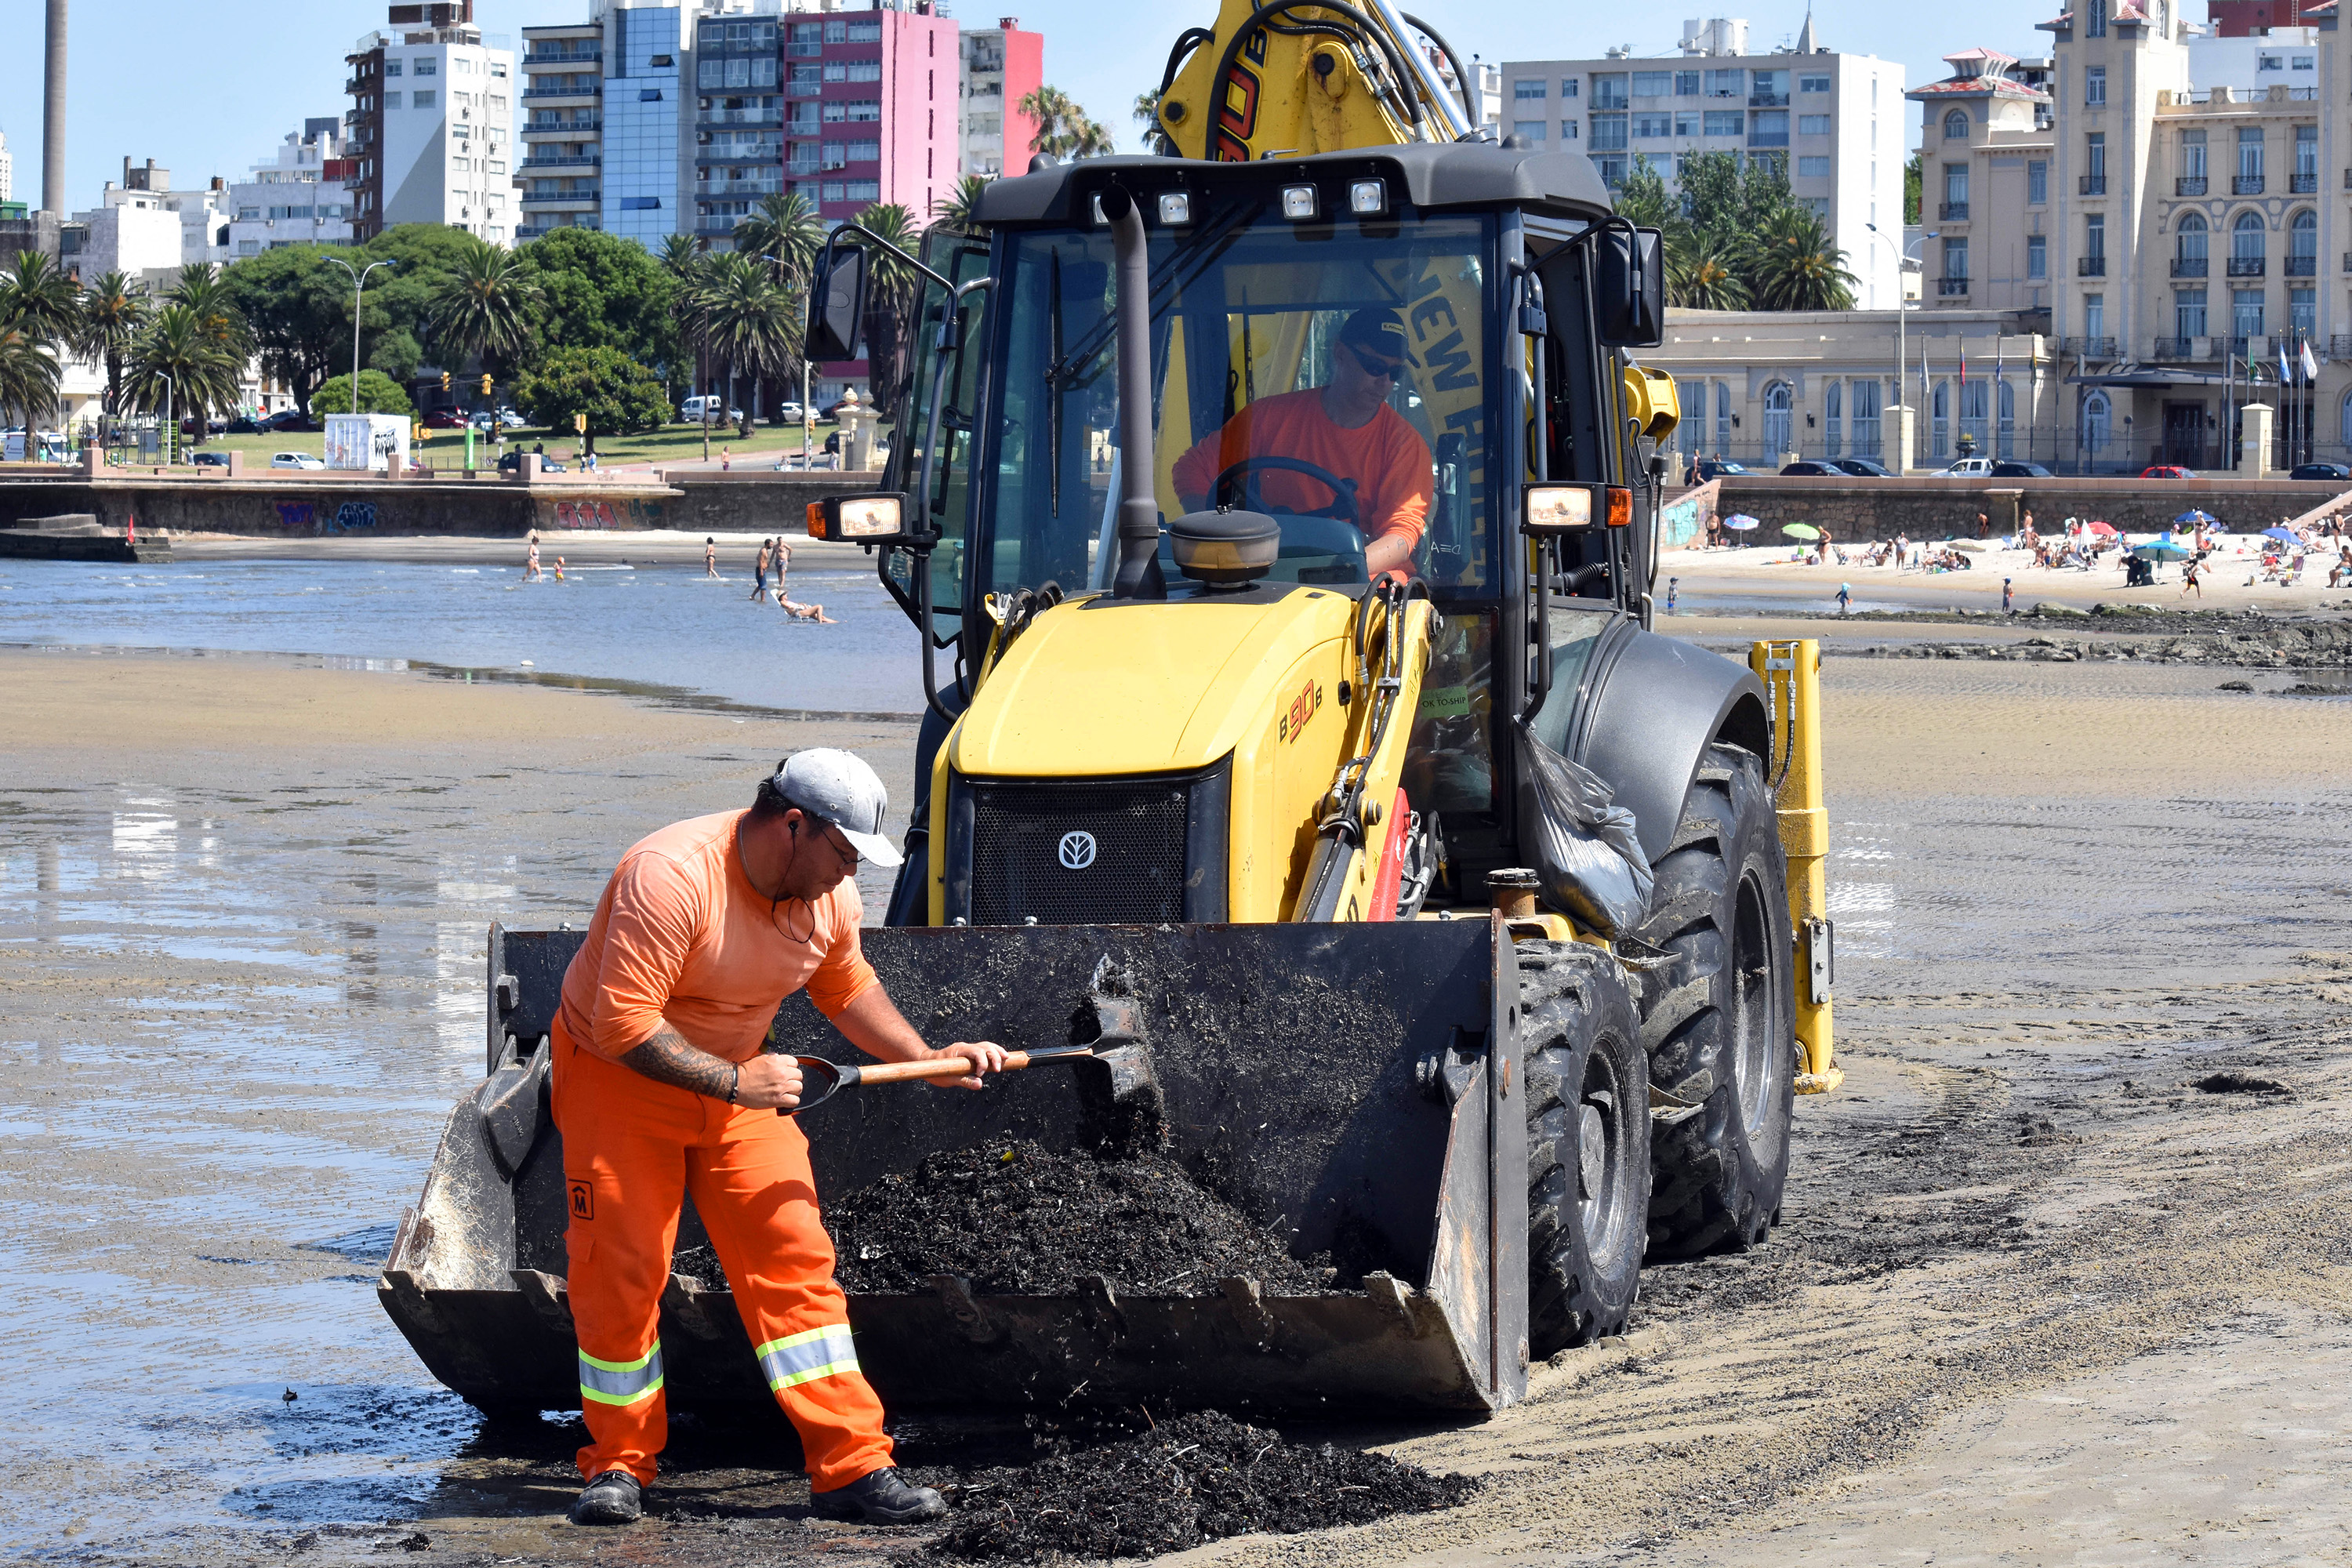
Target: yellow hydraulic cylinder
1791,673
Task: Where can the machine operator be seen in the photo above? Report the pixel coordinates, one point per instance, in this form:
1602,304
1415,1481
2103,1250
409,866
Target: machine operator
662,1090
1346,426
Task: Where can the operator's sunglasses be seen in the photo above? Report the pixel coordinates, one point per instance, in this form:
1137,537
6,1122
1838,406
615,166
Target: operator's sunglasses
1373,364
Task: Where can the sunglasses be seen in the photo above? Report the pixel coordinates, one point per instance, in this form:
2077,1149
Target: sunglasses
1373,365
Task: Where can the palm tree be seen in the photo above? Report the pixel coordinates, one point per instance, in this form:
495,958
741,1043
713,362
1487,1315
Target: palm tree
681,254
1147,114
889,303
1063,128
955,212
482,306
1702,276
179,359
29,376
114,310
786,229
203,292
1796,267
746,318
37,295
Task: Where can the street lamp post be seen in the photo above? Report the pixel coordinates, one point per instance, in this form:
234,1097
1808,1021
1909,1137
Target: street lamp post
170,425
1902,317
359,282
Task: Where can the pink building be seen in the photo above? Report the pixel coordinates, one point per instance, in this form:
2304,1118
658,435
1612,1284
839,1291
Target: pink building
1002,66
870,105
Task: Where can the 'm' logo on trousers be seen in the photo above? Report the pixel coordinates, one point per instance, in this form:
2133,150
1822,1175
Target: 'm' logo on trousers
583,1201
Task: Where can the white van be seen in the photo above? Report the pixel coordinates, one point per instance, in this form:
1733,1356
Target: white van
695,410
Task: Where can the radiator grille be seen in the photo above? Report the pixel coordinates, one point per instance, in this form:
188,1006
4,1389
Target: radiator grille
1132,851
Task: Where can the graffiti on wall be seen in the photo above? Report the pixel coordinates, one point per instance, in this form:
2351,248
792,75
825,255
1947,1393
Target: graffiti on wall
623,513
585,514
351,514
297,517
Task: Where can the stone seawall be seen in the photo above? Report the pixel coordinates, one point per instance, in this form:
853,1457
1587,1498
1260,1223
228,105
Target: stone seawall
296,506
1944,508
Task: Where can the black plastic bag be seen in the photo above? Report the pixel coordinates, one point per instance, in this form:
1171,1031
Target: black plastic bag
1585,851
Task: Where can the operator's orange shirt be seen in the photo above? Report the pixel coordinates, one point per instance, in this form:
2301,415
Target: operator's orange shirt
682,936
1385,456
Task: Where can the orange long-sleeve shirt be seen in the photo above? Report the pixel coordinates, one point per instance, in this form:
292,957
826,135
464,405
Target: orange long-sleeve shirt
1385,456
681,936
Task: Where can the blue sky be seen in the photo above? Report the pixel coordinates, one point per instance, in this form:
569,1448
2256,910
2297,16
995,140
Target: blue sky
209,90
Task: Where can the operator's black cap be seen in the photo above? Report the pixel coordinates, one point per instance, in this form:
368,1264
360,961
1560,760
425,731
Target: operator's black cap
1378,329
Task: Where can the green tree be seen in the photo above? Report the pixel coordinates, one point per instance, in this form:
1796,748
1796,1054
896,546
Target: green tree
680,254
889,304
598,290
1063,128
1700,277
37,296
617,393
483,307
297,304
29,376
114,310
1147,114
746,319
787,228
1795,265
203,292
401,296
1914,180
397,353
1644,199
178,361
959,208
379,394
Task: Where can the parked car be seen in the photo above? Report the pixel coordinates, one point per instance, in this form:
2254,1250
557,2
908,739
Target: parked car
2165,471
2337,471
790,414
210,459
284,419
445,419
244,425
1862,467
1715,468
695,410
833,410
1968,467
296,460
2019,469
1809,468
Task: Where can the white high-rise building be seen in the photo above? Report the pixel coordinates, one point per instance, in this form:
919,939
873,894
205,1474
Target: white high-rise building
1837,121
300,196
431,124
203,222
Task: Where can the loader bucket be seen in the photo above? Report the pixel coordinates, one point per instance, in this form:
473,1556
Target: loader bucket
1352,1088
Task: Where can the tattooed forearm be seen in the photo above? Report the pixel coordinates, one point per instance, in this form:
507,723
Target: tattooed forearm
665,1058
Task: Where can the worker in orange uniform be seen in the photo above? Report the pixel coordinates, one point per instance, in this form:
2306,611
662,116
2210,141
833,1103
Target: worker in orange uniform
1345,426
662,1090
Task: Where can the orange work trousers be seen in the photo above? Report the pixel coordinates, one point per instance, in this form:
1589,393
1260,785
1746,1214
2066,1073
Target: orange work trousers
631,1149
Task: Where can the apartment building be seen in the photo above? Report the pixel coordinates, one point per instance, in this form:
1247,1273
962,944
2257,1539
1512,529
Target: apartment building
1985,205
1000,66
883,80
299,195
558,181
204,212
644,136
431,128
2246,19
1836,120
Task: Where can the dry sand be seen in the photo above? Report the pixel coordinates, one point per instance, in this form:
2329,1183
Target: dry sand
2034,1299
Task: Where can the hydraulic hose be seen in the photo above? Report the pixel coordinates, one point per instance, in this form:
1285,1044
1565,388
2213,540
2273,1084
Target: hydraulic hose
1139,510
1372,31
1461,77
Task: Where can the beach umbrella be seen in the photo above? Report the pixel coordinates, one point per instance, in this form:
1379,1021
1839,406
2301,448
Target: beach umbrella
2194,517
1972,546
2285,534
1800,531
2162,550
2103,528
1740,520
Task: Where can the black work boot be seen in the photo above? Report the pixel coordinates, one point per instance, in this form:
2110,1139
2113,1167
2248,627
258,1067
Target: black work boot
613,1497
880,1498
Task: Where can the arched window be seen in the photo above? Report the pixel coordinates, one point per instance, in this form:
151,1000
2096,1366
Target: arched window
1777,400
2191,245
1833,419
1956,125
2302,245
2246,242
1939,421
2008,420
2098,417
1976,402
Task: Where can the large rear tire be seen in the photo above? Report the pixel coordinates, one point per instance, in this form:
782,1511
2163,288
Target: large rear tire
1718,1015
1587,1142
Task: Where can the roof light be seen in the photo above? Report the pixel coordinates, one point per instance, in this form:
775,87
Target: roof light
1300,204
1367,198
1175,208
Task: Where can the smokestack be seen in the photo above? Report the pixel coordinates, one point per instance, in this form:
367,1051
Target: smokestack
53,115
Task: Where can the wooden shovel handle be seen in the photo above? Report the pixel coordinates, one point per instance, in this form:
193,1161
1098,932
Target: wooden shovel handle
931,1068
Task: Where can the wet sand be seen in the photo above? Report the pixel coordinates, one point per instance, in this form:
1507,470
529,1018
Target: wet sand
2035,1297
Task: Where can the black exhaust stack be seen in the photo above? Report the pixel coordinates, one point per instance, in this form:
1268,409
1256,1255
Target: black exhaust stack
1139,574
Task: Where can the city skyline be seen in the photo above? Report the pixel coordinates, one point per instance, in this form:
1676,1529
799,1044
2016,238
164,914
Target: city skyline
138,105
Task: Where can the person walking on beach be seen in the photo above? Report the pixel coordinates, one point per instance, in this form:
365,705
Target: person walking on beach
2191,577
782,561
1844,597
530,572
662,1091
1672,584
710,556
760,571
1984,526
726,459
2008,599
558,568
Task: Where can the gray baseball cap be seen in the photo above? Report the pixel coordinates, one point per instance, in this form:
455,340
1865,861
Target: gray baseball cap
839,787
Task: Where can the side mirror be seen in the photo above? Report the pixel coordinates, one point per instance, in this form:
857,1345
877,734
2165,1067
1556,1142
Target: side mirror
870,519
1546,510
836,304
1630,288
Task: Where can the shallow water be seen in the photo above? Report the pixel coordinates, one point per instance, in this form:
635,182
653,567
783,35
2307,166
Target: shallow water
661,626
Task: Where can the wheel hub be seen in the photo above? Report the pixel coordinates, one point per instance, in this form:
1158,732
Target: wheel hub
1592,1153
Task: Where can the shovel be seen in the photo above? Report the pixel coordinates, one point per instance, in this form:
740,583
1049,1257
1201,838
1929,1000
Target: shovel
821,1080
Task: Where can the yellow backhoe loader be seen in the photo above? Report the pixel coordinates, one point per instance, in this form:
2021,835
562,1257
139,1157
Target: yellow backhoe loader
1474,929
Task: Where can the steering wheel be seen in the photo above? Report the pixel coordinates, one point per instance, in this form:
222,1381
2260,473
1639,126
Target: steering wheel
1243,478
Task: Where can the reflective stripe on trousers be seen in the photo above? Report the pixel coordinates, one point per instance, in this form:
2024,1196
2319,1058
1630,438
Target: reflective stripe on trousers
804,1357
620,1382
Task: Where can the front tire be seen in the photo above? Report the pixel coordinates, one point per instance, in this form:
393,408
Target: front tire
1718,1015
1587,1142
